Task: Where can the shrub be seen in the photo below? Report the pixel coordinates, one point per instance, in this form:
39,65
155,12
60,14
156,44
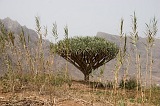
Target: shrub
129,84
109,85
99,85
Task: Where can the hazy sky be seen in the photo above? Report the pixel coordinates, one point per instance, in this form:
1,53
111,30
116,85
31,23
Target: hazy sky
83,17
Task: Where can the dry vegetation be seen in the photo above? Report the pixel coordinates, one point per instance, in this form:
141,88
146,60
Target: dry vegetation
80,93
39,86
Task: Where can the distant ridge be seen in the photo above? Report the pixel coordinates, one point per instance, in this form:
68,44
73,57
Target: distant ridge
15,27
109,37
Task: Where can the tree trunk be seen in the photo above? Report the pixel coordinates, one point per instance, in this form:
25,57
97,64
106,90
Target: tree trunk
86,77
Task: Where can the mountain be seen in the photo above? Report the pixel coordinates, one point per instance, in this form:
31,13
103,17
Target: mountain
16,28
30,36
59,63
130,50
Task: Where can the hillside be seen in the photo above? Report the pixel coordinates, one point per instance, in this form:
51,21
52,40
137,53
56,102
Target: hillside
31,38
142,52
16,28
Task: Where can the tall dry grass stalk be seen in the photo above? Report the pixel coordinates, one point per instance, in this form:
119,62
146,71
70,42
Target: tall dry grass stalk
151,31
66,34
40,53
7,44
134,39
120,61
124,54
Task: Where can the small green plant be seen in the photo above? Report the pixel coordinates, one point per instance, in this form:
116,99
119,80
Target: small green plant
10,83
155,87
122,103
58,80
5,83
132,100
110,85
100,93
129,84
99,85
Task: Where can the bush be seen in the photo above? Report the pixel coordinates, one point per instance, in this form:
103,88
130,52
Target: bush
109,85
99,85
102,85
129,84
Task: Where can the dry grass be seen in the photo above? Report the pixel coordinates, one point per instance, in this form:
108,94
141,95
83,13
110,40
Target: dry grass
80,93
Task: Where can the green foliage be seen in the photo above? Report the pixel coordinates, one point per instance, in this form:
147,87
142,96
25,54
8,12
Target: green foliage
4,82
10,80
122,103
99,85
87,44
109,85
129,84
87,53
59,79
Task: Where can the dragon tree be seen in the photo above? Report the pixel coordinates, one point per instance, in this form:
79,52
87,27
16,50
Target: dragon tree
87,53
